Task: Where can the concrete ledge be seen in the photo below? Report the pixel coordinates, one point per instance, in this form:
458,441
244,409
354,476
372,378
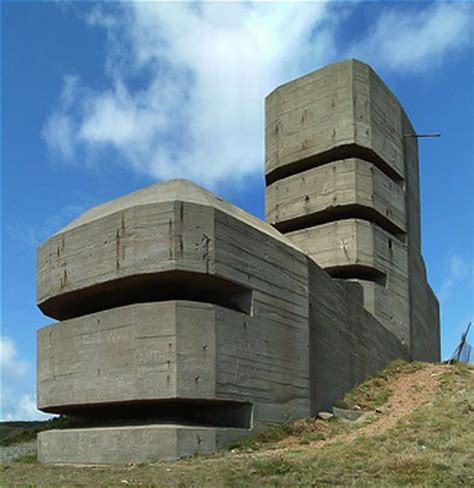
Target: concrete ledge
340,189
131,444
343,105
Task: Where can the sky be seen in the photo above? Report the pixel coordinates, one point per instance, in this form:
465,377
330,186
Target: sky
99,100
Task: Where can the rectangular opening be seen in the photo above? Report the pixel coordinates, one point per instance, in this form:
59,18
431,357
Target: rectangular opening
206,413
357,272
151,287
341,212
335,154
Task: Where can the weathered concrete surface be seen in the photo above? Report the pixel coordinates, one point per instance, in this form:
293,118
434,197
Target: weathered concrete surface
177,307
337,154
149,233
354,249
244,287
146,353
131,444
347,343
353,242
237,348
339,106
350,186
424,306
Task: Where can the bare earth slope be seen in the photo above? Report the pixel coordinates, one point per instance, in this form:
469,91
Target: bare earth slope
416,433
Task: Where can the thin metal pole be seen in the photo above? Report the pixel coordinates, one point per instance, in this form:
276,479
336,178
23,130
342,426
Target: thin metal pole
436,134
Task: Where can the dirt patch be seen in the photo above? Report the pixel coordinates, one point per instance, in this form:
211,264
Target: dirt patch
409,391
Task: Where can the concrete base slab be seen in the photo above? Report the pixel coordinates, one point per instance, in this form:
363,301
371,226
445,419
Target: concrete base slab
131,444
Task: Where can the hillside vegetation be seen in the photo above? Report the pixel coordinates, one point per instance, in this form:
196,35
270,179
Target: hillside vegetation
417,431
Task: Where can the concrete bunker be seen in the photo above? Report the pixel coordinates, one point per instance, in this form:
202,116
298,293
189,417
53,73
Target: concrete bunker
185,322
150,287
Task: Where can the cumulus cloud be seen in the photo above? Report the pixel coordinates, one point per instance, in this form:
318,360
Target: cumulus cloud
25,409
186,81
13,367
416,40
17,404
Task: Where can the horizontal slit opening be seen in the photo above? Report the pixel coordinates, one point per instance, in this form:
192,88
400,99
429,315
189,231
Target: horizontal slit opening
357,272
151,287
345,212
209,413
336,154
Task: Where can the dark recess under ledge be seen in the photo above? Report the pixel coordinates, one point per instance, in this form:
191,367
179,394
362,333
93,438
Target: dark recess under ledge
357,272
208,413
342,212
150,287
336,154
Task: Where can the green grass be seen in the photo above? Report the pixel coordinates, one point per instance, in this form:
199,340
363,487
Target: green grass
29,434
27,459
374,392
434,446
369,395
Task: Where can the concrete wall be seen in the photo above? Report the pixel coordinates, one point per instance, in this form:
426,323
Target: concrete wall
343,184
204,263
354,248
424,320
343,105
351,186
173,302
347,343
131,444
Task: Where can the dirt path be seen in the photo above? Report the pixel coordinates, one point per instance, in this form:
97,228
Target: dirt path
409,391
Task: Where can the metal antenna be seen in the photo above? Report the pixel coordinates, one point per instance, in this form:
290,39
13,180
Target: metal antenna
434,134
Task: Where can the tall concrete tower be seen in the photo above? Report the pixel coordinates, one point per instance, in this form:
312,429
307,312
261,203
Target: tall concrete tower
343,184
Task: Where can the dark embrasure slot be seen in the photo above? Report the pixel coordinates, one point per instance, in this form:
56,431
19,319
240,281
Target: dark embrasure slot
337,213
209,413
151,287
336,154
358,272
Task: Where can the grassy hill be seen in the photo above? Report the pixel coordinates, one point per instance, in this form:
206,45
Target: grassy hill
416,430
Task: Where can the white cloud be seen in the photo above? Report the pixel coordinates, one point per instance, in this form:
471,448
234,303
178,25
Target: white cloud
12,366
459,270
16,403
186,81
26,410
59,128
416,41
207,68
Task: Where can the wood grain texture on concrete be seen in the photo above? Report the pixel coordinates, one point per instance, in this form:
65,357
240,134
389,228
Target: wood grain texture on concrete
350,186
348,344
185,322
341,105
343,183
131,444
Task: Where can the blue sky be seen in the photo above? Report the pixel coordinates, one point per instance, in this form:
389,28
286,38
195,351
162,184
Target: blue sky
102,99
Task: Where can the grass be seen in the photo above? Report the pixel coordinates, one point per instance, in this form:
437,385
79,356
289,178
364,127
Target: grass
375,391
27,459
21,435
434,446
369,395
